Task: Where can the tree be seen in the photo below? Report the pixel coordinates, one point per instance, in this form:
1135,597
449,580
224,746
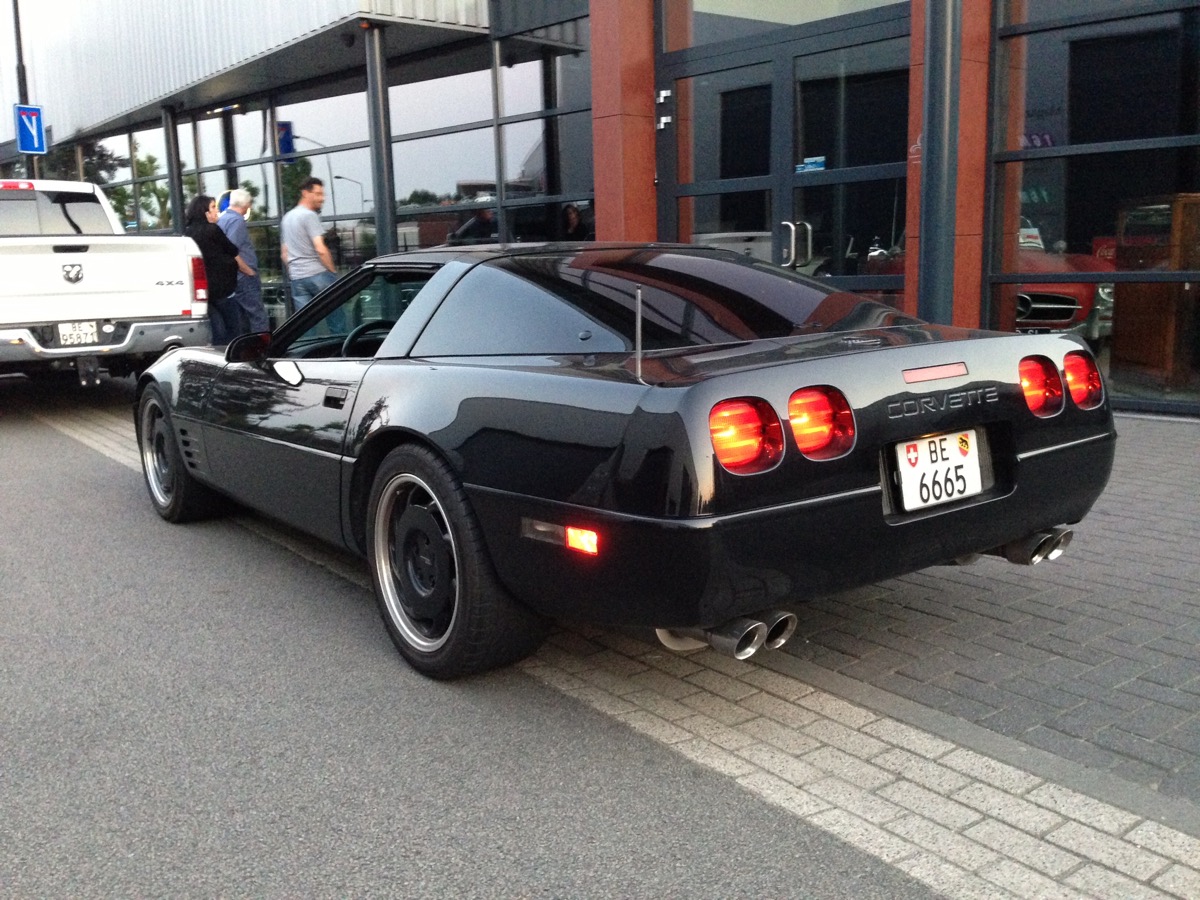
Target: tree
100,163
421,197
293,175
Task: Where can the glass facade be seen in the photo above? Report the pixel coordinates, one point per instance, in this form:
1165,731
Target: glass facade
783,129
794,151
1096,174
457,145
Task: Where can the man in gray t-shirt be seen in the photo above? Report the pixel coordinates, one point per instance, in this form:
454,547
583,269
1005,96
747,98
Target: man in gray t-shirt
309,263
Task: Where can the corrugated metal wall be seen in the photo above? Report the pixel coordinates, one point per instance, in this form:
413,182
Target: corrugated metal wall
91,61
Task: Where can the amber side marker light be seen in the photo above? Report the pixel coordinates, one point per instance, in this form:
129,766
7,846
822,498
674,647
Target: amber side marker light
1083,380
1042,386
582,540
822,422
746,435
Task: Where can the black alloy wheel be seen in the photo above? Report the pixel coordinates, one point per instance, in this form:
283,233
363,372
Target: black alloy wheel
176,495
437,592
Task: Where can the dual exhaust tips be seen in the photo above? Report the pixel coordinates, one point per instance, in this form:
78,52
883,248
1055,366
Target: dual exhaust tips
1031,549
740,638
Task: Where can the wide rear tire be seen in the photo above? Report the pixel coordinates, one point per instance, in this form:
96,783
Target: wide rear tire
175,494
438,595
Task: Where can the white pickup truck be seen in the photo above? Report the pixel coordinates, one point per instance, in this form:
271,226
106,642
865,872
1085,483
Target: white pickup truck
78,294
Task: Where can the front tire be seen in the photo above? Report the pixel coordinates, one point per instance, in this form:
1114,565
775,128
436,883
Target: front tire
176,495
437,593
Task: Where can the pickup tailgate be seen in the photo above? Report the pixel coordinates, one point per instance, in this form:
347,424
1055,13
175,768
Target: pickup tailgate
54,279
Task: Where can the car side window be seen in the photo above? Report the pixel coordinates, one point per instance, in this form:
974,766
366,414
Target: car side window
493,312
357,326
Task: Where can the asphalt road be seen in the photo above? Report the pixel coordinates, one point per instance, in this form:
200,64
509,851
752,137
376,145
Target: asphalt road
200,711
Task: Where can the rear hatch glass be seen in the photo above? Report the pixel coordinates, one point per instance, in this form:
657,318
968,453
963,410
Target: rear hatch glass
26,213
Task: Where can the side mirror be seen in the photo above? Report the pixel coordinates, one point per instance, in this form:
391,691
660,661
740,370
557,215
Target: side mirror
248,348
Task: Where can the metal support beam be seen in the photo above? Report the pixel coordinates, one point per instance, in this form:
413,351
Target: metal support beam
939,160
379,124
498,144
170,124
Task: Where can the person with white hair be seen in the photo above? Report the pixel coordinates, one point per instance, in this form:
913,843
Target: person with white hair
246,298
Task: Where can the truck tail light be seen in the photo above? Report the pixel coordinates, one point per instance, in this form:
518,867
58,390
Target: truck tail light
1083,380
746,435
1042,386
199,289
822,422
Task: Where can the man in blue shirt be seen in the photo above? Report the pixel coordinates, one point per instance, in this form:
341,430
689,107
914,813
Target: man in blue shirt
247,296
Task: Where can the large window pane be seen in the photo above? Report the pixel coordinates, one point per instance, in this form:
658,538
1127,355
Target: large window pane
549,68
343,193
692,23
448,167
1078,86
154,205
252,134
150,153
723,123
441,102
1071,205
739,220
852,106
327,122
116,151
210,146
549,156
849,224
259,180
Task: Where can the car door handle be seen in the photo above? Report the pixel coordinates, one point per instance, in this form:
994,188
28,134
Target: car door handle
335,398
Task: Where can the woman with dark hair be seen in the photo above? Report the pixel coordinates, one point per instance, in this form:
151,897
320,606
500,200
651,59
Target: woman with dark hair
221,263
573,227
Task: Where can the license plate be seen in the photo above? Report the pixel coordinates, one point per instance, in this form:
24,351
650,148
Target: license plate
939,468
71,334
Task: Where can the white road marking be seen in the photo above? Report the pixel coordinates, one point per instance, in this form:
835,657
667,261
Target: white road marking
964,824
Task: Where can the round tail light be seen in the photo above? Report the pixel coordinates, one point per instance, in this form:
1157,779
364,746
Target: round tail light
1042,386
746,435
822,422
1083,380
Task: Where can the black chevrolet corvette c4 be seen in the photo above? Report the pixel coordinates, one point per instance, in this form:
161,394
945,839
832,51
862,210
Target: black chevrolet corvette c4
666,437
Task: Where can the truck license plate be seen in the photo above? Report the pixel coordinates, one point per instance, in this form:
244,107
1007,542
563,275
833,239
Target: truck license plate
939,468
71,334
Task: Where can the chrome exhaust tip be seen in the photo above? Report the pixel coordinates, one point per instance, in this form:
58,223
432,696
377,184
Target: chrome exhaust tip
1062,540
781,625
739,638
1034,548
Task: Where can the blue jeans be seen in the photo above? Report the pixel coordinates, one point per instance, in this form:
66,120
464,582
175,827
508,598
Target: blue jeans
223,319
248,305
304,289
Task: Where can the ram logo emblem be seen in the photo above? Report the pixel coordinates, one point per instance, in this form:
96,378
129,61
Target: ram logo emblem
73,273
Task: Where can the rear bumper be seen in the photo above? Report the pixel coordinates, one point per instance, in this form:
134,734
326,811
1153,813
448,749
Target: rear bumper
37,343
700,572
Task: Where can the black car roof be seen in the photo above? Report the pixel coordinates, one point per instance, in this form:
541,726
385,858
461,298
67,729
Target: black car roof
485,252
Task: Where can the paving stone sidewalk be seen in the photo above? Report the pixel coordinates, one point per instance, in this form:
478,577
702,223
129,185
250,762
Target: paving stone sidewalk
1094,657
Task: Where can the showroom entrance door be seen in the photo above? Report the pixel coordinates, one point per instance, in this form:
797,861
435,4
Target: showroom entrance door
794,151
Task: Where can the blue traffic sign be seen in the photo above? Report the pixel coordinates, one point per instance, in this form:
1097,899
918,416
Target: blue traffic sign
31,133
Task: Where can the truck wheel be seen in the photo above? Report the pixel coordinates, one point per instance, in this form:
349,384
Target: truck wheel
176,495
439,597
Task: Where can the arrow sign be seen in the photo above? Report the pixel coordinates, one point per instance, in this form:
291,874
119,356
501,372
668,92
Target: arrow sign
31,134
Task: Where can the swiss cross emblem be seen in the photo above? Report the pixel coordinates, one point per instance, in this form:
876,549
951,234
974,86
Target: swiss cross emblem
910,451
964,444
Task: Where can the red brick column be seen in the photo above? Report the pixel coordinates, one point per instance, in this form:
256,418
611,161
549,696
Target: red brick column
623,133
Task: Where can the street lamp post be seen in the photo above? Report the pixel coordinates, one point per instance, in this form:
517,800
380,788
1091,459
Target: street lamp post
328,165
361,204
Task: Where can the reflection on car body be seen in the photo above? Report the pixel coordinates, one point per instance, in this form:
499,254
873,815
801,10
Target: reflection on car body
668,437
